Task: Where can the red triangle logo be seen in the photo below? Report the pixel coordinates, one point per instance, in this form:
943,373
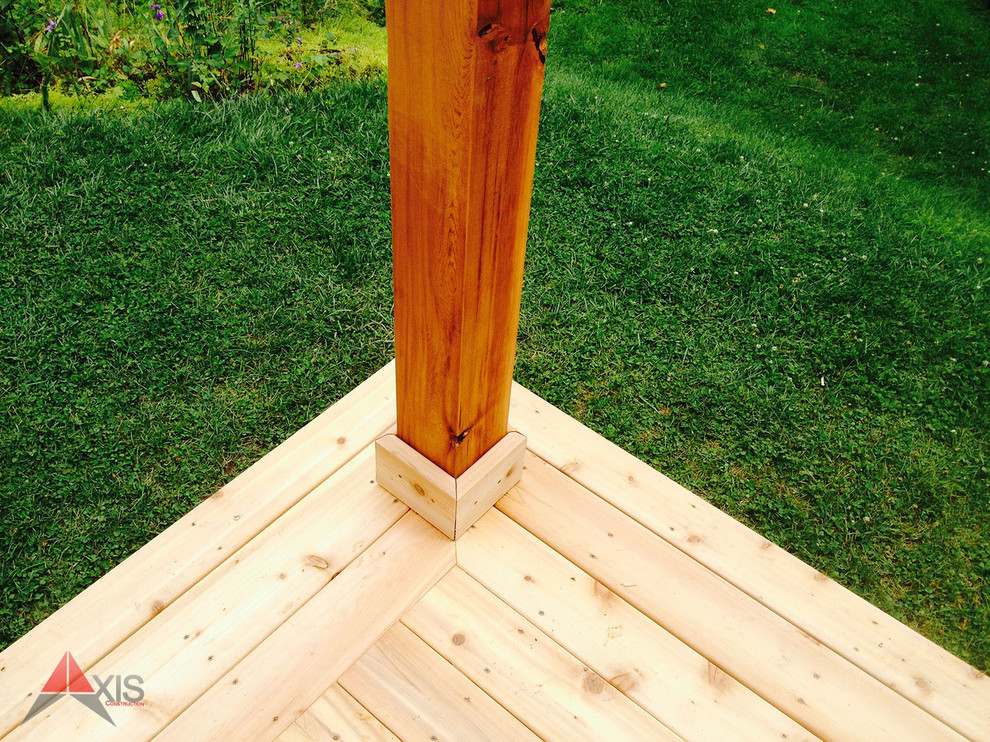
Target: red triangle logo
59,680
77,681
67,678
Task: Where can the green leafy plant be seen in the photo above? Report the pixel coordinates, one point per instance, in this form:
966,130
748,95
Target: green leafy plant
203,52
62,49
188,48
16,62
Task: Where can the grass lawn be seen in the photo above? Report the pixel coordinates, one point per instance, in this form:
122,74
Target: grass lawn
759,259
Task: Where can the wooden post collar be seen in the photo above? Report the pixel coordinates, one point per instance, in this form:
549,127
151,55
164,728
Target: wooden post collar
451,504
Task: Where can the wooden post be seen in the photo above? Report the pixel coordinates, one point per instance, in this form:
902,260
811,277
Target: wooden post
465,80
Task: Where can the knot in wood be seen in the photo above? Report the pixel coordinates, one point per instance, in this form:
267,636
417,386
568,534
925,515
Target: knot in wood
540,42
593,683
497,36
317,561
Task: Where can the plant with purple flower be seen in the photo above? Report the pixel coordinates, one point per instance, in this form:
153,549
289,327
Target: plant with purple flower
52,22
158,11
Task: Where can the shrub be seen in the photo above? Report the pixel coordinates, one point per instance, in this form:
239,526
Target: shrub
179,48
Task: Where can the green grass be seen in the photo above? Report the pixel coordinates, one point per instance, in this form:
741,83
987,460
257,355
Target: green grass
753,281
181,289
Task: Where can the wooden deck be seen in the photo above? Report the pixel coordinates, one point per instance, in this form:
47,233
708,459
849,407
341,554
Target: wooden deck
599,601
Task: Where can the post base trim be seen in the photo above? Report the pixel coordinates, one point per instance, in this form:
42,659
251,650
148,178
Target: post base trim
451,504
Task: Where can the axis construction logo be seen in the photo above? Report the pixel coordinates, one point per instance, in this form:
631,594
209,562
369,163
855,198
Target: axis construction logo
69,680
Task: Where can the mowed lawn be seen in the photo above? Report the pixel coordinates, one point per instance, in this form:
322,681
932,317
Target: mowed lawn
759,259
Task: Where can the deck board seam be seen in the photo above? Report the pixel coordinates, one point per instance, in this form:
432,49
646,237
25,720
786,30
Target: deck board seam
574,653
549,640
230,564
647,616
457,669
363,705
571,653
377,638
262,640
961,693
343,683
948,722
121,639
374,399
257,533
168,730
844,661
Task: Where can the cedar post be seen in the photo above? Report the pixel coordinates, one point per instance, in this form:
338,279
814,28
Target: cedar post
464,84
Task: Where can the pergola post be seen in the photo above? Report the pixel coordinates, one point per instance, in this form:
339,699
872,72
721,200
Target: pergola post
465,80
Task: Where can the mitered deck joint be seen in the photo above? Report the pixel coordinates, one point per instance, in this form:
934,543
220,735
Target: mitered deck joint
451,504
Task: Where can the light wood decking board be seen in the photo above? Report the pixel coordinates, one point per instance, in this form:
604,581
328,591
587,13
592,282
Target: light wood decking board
278,681
134,592
690,694
523,669
803,678
419,695
211,627
703,600
892,652
337,717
